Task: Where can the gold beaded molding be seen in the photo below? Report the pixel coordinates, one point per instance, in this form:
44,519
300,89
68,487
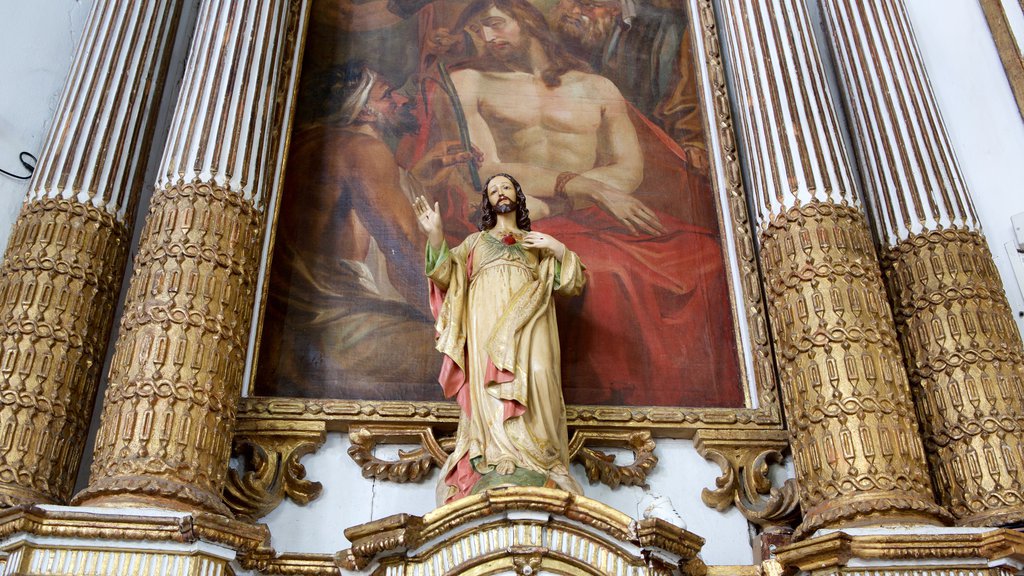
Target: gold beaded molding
964,361
910,554
853,433
59,279
169,409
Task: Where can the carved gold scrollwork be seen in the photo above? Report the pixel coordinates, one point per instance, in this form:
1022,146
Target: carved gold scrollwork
411,466
271,452
414,465
745,459
600,467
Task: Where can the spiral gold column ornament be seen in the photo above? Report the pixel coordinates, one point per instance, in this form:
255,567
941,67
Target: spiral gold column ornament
963,349
169,410
857,453
66,255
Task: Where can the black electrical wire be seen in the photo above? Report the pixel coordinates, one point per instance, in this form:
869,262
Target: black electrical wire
30,167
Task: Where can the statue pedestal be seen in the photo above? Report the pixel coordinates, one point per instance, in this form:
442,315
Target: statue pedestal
899,550
523,531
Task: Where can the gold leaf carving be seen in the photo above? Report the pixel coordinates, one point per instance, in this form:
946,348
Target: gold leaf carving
271,452
411,466
414,465
745,460
600,467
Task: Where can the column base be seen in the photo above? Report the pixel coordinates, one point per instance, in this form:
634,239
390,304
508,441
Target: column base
140,491
70,541
872,510
917,550
12,495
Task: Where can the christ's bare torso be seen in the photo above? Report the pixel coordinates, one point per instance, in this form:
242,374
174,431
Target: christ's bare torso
559,127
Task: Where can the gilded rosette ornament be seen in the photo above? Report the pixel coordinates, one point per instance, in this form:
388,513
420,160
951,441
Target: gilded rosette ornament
853,431
963,350
65,259
169,411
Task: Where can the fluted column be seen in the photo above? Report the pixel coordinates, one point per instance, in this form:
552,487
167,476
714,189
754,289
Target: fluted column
854,437
169,410
66,255
963,349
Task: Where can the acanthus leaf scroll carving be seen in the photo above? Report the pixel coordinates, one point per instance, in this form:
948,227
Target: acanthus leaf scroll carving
600,467
745,460
271,454
414,465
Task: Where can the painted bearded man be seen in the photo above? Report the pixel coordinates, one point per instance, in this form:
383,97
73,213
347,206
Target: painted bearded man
345,290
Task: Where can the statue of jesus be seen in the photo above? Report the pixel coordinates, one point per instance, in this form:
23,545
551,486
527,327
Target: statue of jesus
492,298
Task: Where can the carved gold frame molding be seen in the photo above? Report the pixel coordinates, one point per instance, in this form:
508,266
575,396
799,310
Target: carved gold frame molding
1009,45
274,433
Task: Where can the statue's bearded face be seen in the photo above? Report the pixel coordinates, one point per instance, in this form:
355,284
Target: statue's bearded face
501,194
585,24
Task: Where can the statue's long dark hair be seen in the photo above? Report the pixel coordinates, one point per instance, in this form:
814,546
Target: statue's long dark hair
489,217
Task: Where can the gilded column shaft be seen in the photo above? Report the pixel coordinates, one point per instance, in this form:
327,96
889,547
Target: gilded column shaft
66,255
963,350
857,453
169,410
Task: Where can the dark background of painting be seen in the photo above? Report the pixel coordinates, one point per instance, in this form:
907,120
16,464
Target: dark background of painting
613,356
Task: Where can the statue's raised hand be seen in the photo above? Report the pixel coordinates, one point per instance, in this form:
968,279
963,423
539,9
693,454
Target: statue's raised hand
429,220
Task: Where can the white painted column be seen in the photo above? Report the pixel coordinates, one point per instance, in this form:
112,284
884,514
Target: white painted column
66,256
857,453
169,411
964,353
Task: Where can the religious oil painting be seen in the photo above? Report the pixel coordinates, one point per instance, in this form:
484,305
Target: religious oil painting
593,106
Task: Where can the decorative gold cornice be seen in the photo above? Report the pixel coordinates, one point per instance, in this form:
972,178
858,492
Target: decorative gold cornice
835,550
745,458
855,443
91,524
965,361
58,283
395,534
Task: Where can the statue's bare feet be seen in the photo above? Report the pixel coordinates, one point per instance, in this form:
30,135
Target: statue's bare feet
505,467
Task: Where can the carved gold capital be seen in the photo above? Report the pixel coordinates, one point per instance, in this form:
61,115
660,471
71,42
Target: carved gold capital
271,452
175,378
60,277
853,431
966,365
745,457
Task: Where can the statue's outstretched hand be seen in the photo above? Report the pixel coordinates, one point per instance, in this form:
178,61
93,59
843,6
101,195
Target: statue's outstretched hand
429,220
538,241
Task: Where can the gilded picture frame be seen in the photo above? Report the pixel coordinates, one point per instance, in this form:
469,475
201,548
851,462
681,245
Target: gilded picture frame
758,376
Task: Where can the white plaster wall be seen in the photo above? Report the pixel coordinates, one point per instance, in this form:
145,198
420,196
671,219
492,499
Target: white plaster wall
37,45
349,499
981,116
